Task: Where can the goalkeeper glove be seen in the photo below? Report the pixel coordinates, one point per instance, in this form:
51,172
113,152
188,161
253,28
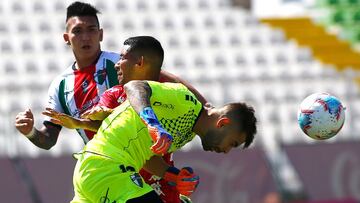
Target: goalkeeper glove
162,139
185,180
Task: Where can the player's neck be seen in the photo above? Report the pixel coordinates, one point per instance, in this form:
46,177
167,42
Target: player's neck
205,122
82,63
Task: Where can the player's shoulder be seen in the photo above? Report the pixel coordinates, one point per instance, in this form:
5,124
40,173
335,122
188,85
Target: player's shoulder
112,56
116,88
69,71
166,85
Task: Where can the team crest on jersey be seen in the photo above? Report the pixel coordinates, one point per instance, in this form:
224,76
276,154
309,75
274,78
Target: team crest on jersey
136,178
85,86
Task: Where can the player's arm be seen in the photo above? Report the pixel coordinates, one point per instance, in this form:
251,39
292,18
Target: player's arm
92,118
71,122
44,138
156,165
97,113
138,93
169,77
185,180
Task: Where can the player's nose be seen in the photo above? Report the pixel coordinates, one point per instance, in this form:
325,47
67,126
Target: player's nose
117,66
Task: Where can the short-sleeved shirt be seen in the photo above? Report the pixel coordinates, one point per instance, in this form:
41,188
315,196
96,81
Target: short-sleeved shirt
76,91
125,138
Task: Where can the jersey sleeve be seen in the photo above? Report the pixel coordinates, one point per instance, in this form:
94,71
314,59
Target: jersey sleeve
113,97
53,101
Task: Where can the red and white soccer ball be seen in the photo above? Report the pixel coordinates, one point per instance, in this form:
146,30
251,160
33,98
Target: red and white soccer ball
321,116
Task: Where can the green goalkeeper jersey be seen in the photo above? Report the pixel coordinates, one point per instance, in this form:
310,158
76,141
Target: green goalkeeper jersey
123,136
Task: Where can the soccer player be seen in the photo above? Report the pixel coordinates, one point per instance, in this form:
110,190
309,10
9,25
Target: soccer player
78,88
108,166
141,58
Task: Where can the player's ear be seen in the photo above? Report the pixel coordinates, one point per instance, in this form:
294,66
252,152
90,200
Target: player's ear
222,121
101,34
140,62
66,38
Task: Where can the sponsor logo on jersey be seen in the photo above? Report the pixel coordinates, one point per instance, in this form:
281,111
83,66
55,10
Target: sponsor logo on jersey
167,106
86,106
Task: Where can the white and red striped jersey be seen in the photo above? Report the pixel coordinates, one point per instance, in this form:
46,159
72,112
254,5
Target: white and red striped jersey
75,91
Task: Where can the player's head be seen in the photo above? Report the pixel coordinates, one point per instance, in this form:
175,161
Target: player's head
83,31
80,9
141,59
235,126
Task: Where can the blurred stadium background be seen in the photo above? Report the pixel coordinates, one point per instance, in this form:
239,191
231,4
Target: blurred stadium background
270,53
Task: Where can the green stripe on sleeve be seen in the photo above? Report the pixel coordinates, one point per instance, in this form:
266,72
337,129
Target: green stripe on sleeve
62,97
111,73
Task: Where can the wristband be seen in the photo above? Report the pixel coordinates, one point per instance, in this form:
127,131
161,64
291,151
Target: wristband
148,116
31,133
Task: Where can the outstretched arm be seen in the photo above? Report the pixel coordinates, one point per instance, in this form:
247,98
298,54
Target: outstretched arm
71,122
97,113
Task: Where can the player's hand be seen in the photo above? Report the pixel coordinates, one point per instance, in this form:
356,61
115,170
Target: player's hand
62,119
24,122
185,180
162,139
97,113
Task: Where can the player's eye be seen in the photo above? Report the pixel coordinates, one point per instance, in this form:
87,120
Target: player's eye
76,31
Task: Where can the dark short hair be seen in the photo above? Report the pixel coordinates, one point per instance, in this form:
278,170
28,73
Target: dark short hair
81,9
244,115
146,46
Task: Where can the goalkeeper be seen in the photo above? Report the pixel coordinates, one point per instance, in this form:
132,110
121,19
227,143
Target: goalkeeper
155,119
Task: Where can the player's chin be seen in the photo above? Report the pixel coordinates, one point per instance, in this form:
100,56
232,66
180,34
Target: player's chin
213,149
121,79
208,148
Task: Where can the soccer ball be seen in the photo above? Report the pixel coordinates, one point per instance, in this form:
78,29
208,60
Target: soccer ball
321,116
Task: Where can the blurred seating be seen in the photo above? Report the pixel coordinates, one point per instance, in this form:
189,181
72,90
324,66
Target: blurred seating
225,52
